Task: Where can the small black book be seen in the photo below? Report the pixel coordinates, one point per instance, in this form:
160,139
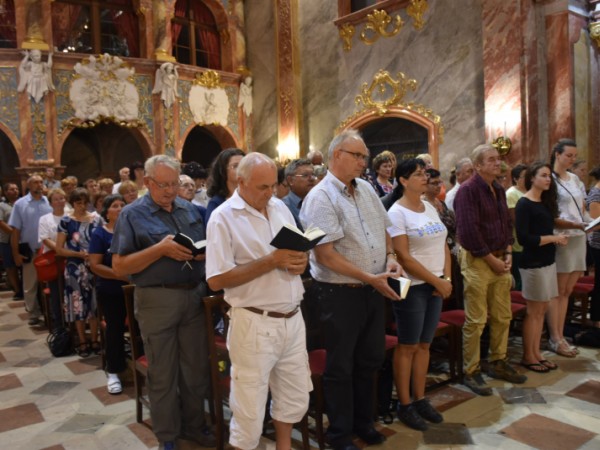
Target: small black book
291,238
400,285
188,242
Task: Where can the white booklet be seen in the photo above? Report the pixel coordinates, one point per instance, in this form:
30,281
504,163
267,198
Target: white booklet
593,224
400,285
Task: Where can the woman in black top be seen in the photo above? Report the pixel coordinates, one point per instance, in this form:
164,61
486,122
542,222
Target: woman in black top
534,214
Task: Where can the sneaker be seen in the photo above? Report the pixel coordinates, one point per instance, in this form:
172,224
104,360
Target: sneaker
167,445
33,321
428,412
501,370
206,438
408,415
476,384
113,384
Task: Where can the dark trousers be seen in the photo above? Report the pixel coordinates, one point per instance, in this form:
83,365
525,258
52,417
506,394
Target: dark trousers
56,306
113,307
354,337
595,306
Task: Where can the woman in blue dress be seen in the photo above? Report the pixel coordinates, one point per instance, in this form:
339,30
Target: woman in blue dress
72,242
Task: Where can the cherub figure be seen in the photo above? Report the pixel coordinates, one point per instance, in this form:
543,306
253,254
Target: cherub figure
35,75
166,83
245,98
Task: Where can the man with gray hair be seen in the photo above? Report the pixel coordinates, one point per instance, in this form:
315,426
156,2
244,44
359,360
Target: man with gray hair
301,178
484,230
267,338
351,266
169,288
463,171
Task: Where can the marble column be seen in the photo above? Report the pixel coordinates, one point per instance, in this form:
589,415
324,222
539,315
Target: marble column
289,90
146,20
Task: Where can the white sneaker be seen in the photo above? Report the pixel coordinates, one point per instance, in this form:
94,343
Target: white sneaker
113,384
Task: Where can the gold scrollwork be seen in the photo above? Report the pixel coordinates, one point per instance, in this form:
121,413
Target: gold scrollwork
378,25
595,32
78,123
209,79
416,10
39,129
347,33
382,84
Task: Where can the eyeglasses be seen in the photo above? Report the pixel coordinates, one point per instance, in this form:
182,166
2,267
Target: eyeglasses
163,186
357,155
306,176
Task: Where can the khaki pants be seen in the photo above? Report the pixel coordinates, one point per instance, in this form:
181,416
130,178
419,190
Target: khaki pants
487,298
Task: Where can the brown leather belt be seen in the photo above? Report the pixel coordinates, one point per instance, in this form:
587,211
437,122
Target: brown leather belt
274,314
498,253
182,286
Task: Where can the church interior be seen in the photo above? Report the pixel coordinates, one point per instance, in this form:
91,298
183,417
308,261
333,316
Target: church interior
89,86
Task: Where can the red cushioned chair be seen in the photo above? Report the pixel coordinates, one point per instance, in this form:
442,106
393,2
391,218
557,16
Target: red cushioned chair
579,301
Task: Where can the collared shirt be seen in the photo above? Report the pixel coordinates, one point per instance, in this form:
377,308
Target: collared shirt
143,223
293,202
355,224
5,210
26,216
238,234
483,224
450,196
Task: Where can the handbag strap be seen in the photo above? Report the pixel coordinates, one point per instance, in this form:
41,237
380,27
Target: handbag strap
557,178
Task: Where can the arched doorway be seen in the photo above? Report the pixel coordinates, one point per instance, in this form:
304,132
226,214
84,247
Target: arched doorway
403,137
203,144
9,160
101,151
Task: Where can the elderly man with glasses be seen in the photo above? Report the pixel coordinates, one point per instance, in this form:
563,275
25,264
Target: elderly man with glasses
168,298
301,179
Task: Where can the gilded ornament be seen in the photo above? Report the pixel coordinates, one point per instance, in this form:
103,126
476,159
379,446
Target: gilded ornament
209,79
378,25
595,32
347,33
225,37
383,84
503,145
416,10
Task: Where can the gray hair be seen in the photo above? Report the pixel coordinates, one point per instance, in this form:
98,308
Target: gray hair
183,178
344,136
477,153
461,163
152,162
251,160
292,167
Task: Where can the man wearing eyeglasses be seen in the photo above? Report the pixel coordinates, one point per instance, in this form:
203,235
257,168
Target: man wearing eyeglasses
351,266
168,299
301,179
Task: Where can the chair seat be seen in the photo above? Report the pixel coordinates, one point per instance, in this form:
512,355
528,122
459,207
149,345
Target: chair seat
583,288
317,360
587,279
516,308
517,297
454,317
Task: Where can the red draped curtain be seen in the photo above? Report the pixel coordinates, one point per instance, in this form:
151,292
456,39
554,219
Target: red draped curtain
181,9
8,31
126,23
64,19
207,36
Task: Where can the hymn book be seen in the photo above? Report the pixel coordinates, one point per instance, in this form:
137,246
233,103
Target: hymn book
400,285
196,247
593,224
291,238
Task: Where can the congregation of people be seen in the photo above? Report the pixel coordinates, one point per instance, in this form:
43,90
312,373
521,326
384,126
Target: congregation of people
473,242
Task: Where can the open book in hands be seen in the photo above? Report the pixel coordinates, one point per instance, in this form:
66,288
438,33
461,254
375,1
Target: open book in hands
592,224
188,242
291,238
400,285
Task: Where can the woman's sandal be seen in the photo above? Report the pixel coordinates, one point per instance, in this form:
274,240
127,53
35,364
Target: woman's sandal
536,367
561,348
96,347
549,364
82,350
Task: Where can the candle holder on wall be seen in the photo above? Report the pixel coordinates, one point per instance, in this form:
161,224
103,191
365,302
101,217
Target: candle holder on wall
503,144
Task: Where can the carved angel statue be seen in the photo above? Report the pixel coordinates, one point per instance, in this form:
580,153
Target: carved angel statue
35,75
245,98
165,83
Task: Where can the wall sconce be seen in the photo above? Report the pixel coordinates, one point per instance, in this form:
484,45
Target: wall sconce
502,143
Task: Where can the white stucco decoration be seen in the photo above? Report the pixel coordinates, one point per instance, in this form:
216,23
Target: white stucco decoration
104,89
165,83
245,98
209,105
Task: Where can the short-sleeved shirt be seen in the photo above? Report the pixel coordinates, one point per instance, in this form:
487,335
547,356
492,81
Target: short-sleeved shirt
79,234
238,234
355,224
571,198
512,197
26,216
143,223
593,197
426,236
100,245
294,203
5,210
48,228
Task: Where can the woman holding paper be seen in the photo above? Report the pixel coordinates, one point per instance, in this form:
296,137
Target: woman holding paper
419,239
593,204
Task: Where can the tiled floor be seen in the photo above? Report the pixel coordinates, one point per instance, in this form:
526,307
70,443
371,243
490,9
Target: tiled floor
62,404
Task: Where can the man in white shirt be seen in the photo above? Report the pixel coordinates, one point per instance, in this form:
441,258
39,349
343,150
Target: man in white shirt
124,176
463,171
267,338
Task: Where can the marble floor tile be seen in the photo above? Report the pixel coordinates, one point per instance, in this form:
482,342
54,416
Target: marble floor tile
54,447
447,434
9,326
521,395
55,388
34,362
18,343
2,358
16,304
84,365
10,381
577,365
23,316
143,433
105,398
549,434
84,423
19,416
589,392
448,397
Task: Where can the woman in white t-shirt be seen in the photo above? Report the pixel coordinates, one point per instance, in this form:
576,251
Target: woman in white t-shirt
570,259
419,239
